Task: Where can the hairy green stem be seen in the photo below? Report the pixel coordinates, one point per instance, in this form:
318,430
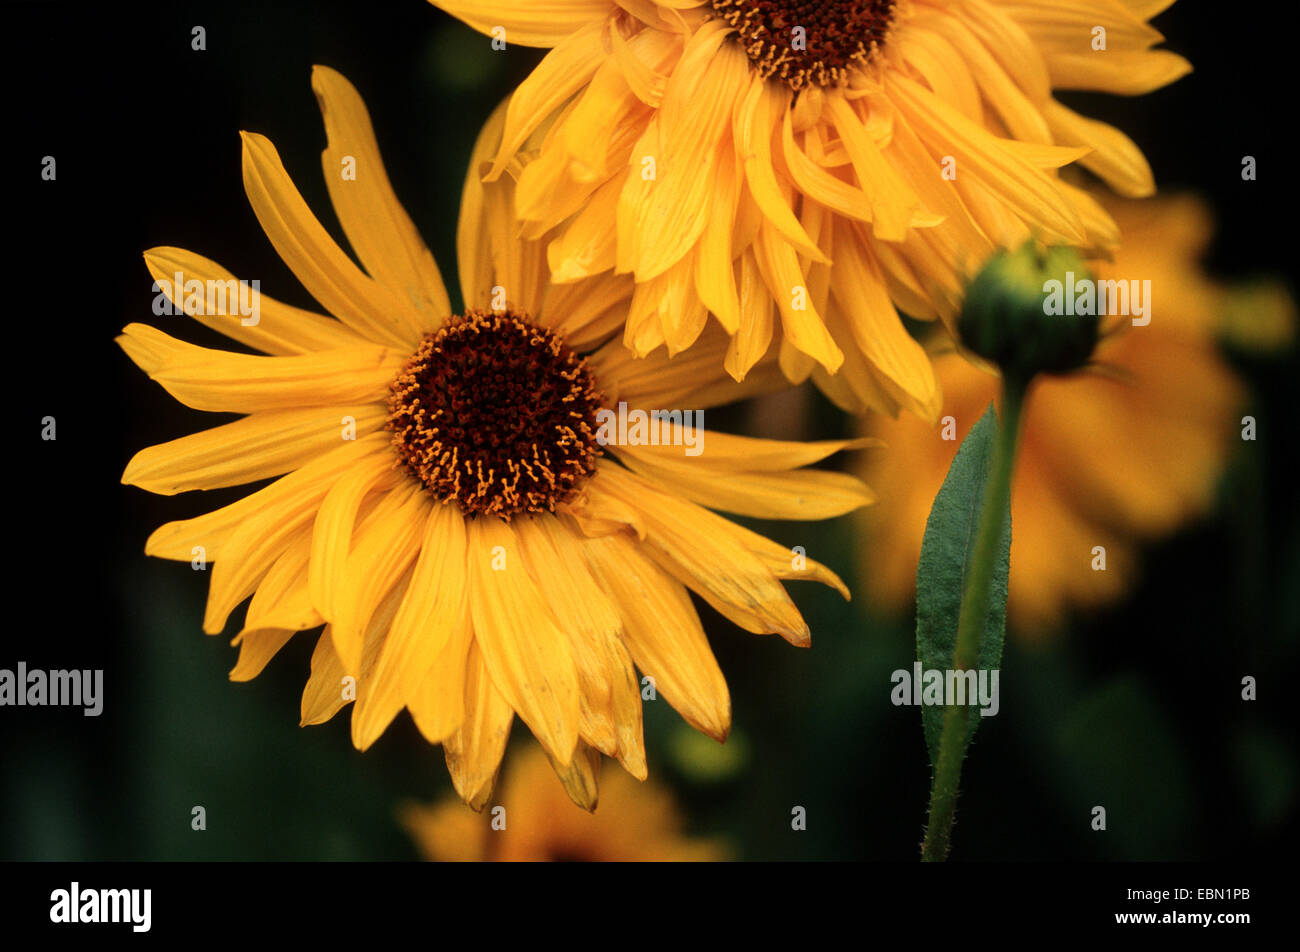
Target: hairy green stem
994,511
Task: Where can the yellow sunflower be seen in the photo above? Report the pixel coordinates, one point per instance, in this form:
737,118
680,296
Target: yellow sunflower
635,823
1107,459
835,162
445,506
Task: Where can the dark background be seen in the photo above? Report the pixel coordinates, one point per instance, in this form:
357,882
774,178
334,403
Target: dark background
1137,708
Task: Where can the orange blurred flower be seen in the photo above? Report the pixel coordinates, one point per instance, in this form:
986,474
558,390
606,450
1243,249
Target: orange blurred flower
1109,457
636,821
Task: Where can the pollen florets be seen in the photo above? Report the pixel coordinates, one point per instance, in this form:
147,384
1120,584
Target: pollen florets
497,414
808,42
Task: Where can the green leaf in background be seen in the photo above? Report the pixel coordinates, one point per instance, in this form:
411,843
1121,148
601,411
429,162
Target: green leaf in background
945,562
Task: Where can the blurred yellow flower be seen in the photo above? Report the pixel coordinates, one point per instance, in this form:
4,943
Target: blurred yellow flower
636,822
829,162
1110,457
450,513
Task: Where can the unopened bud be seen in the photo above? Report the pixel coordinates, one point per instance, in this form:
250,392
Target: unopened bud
1008,317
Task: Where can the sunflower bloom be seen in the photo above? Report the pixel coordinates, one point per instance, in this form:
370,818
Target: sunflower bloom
445,506
1107,459
832,163
635,823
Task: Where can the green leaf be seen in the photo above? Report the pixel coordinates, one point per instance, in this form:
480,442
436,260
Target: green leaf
946,552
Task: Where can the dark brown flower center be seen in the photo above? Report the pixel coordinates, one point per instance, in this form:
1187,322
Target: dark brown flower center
496,413
808,42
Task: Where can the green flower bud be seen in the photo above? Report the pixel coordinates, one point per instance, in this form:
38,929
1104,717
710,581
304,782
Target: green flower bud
1015,314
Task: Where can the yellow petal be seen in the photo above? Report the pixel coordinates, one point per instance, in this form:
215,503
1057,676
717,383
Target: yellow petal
660,220
644,331
606,109
584,248
588,313
330,686
788,563
1026,190
490,252
858,386
1103,232
1065,25
682,315
715,273
1115,157
859,291
663,634
893,203
690,379
216,380
754,335
264,444
536,23
1003,34
256,648
579,777
252,549
697,547
278,329
918,43
323,696
756,120
583,612
960,240
177,540
1124,73
438,703
282,599
433,613
474,751
818,184
527,656
325,271
800,322
334,523
1017,111
378,228
559,76
627,711
727,453
802,494
384,548
645,73
794,363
